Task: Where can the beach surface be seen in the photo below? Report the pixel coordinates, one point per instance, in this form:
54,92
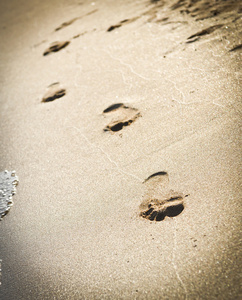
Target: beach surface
109,109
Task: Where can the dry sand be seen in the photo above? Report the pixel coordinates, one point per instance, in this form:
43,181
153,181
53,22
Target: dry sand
74,231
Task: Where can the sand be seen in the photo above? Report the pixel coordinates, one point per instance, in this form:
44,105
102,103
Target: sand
75,230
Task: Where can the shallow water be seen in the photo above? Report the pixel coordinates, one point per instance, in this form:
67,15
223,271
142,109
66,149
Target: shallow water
8,183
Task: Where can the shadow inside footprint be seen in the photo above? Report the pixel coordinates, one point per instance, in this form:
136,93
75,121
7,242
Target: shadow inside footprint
113,107
55,47
125,116
65,24
238,47
159,201
112,27
174,210
162,173
121,23
54,92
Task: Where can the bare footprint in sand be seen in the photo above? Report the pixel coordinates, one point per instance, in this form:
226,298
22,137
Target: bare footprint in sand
55,91
205,31
55,47
121,23
123,116
67,23
159,201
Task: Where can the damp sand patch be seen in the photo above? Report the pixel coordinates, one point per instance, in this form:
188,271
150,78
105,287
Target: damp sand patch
8,183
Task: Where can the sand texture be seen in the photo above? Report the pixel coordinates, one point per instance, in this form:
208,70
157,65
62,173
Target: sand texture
122,121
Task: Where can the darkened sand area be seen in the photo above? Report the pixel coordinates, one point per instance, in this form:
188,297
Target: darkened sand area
122,121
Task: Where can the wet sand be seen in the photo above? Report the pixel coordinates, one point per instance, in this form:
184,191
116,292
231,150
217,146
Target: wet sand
96,98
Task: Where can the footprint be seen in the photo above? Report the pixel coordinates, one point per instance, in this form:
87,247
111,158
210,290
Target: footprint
201,10
205,31
8,182
112,27
152,13
126,21
79,34
54,92
159,201
65,24
124,116
55,47
238,47
178,4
